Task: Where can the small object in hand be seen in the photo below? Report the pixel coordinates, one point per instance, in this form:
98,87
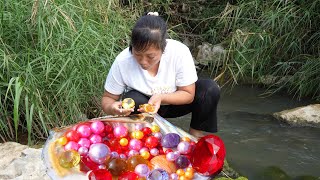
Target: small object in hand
147,108
128,103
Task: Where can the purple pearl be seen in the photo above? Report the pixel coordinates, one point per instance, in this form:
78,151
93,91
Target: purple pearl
143,150
158,174
170,140
99,153
182,162
122,156
114,154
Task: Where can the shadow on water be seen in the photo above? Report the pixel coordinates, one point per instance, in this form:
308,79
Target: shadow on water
258,146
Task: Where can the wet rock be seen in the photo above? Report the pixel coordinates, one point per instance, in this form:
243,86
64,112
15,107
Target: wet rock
301,116
21,162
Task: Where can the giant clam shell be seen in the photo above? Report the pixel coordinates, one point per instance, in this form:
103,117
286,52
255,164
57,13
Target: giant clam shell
52,148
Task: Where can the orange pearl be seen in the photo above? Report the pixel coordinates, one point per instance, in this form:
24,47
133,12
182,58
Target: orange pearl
180,172
190,169
123,141
186,139
62,141
183,178
155,128
189,174
145,154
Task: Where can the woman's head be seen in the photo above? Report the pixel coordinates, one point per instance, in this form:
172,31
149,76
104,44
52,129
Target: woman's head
149,30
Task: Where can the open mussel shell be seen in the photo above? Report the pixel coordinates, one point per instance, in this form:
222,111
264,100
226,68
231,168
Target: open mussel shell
128,103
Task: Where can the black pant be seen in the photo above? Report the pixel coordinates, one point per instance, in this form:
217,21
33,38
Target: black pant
203,107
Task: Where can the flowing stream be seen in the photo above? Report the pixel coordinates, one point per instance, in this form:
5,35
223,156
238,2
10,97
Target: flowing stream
258,145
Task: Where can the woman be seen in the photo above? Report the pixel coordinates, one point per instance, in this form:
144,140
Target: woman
161,72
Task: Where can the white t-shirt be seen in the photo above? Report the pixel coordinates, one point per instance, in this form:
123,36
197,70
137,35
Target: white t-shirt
176,69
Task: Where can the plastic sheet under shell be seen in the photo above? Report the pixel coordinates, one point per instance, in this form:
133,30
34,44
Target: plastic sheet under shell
51,149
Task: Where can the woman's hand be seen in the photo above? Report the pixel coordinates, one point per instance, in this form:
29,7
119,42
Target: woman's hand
112,106
154,101
116,109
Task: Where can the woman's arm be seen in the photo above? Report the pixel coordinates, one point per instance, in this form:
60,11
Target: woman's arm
183,95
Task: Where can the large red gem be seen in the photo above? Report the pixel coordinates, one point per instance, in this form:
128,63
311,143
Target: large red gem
100,174
208,155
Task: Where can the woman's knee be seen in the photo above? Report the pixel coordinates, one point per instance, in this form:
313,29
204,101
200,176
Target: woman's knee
210,87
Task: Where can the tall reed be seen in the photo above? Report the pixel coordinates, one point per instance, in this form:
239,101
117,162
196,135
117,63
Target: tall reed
54,58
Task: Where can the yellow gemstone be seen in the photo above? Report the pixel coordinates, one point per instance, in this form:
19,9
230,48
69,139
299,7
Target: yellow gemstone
62,141
69,159
155,128
123,141
128,103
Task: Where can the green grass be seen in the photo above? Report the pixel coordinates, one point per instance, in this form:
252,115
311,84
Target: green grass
54,58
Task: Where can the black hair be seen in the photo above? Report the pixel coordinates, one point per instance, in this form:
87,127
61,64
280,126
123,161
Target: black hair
149,30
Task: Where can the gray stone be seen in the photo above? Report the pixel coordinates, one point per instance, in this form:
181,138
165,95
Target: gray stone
301,116
21,162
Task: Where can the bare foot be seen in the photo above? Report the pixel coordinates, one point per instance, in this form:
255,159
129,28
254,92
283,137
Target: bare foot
197,133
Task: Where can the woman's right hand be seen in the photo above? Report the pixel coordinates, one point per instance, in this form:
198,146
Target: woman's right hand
117,109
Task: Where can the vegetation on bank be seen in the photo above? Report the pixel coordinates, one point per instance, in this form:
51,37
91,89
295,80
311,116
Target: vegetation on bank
55,54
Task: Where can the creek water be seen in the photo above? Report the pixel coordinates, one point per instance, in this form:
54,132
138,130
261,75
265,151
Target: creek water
256,143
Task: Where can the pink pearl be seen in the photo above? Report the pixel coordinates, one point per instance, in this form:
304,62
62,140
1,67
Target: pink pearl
94,138
135,144
133,153
71,145
83,151
184,147
138,127
142,170
171,156
154,152
143,150
84,130
84,142
158,135
120,131
97,127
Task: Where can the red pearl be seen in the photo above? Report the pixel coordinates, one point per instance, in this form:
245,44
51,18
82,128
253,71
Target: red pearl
73,136
146,131
151,142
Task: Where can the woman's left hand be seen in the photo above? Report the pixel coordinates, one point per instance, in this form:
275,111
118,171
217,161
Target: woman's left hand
155,100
